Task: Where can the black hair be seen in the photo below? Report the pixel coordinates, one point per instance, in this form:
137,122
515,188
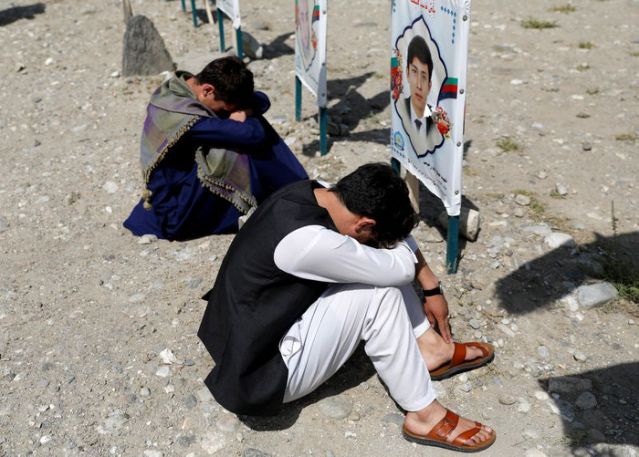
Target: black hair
418,48
374,190
233,82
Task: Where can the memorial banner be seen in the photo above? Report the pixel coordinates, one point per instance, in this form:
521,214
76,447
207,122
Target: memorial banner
310,46
429,47
232,10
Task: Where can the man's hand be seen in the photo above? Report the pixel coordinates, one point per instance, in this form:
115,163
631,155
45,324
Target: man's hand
239,116
436,308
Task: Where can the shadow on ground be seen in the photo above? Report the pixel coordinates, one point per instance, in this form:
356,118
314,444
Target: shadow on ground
351,108
16,13
278,47
542,281
609,405
357,370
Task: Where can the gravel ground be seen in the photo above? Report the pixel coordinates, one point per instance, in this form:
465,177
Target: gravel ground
98,347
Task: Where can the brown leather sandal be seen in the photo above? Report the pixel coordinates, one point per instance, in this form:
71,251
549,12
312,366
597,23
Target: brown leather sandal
458,365
440,434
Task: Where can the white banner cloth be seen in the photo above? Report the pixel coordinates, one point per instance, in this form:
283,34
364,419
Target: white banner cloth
429,47
232,9
310,46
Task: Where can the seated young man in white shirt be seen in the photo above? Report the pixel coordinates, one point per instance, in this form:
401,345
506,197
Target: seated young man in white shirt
313,272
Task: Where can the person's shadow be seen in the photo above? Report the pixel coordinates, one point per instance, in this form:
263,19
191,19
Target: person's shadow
598,406
16,13
357,370
544,280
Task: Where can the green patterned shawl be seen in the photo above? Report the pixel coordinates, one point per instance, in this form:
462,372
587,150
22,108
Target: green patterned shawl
172,111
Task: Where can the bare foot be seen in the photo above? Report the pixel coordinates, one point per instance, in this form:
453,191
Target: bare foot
420,423
437,352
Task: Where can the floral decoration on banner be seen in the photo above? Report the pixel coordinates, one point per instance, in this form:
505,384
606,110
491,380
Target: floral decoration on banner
396,75
440,118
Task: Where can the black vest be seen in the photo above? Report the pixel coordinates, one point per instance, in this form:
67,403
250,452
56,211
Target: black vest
253,304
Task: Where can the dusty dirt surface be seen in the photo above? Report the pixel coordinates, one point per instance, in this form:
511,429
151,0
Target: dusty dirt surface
86,309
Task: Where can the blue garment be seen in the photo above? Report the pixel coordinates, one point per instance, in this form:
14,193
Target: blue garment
182,208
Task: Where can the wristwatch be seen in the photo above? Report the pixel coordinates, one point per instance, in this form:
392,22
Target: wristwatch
439,290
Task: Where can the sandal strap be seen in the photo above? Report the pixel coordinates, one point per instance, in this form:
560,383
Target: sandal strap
481,347
444,427
459,355
464,437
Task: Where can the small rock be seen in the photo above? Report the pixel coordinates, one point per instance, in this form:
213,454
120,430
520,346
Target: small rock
213,442
596,294
168,358
580,356
163,371
523,200
335,407
542,175
543,352
586,146
152,453
186,440
507,400
586,400
110,187
393,418
557,239
541,229
113,422
145,392
227,423
147,239
474,323
45,439
190,401
349,434
561,189
506,330
252,452
465,387
518,212
204,395
136,298
524,406
4,224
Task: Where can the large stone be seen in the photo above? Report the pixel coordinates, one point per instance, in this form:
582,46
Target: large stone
144,50
557,239
251,47
469,222
596,294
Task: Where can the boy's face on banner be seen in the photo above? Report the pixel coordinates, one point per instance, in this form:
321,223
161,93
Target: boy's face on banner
419,84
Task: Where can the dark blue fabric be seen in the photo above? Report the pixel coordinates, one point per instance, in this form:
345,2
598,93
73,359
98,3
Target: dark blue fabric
182,209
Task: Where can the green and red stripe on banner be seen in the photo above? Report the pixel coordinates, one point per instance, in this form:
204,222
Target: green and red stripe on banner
316,13
449,88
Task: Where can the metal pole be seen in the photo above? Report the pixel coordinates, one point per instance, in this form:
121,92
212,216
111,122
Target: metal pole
396,166
323,114
194,13
220,23
240,45
298,99
452,244
184,5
